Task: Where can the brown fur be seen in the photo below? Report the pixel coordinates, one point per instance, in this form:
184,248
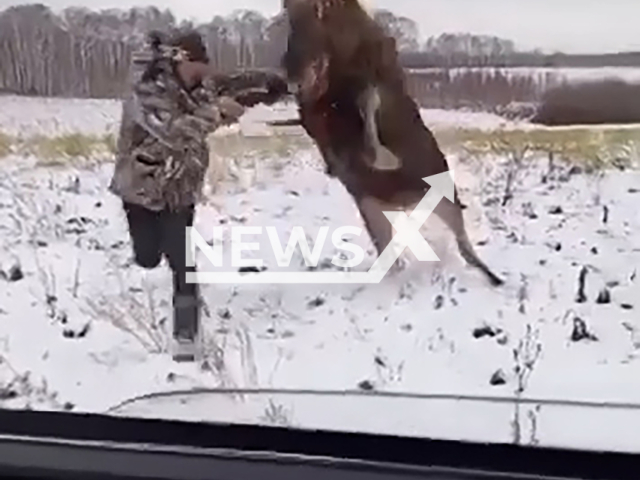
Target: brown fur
354,103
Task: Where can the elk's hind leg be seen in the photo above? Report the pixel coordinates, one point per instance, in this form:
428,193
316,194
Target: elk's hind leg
451,214
378,226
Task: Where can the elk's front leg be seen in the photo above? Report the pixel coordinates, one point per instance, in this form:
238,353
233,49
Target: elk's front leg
375,154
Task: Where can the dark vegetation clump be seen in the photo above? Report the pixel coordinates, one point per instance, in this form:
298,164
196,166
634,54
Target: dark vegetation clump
590,103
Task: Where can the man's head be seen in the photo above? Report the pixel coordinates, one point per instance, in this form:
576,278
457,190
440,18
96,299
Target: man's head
195,66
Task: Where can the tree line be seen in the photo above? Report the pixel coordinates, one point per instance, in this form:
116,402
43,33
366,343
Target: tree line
85,53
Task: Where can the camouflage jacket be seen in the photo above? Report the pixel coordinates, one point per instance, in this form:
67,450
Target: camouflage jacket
162,151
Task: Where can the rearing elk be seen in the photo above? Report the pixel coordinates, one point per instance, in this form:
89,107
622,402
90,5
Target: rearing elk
354,104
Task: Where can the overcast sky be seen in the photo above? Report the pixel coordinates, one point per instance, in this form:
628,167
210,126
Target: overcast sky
567,25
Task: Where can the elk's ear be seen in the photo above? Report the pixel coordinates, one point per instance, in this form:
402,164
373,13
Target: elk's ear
288,4
388,51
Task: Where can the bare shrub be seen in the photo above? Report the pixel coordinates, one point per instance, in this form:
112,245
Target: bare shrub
6,143
525,357
36,219
130,315
140,318
590,103
277,415
24,391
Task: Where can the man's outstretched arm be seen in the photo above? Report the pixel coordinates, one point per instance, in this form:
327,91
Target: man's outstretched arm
250,87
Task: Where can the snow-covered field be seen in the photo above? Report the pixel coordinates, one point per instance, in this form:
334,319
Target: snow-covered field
435,328
28,116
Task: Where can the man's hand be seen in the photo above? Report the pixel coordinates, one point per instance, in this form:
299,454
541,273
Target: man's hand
250,87
277,86
230,110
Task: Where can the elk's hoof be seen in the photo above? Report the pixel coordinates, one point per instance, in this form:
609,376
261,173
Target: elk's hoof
495,280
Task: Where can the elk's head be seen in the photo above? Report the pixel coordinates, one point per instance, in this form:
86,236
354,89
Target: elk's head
332,33
306,60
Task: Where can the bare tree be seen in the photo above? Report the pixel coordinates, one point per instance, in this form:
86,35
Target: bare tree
402,29
87,53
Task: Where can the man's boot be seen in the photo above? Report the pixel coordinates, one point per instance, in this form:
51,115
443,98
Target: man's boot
186,328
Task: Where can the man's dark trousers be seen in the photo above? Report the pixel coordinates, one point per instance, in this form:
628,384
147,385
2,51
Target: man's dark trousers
155,234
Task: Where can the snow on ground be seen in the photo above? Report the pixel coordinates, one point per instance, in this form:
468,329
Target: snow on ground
434,328
29,116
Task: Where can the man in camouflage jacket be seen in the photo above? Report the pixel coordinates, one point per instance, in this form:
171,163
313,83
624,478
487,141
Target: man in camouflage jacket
162,156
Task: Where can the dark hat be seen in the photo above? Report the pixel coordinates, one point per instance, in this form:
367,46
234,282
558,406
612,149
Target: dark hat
192,43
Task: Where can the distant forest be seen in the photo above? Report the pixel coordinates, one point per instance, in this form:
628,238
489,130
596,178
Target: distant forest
86,53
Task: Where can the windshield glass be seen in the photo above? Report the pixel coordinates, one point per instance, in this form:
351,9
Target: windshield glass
445,245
